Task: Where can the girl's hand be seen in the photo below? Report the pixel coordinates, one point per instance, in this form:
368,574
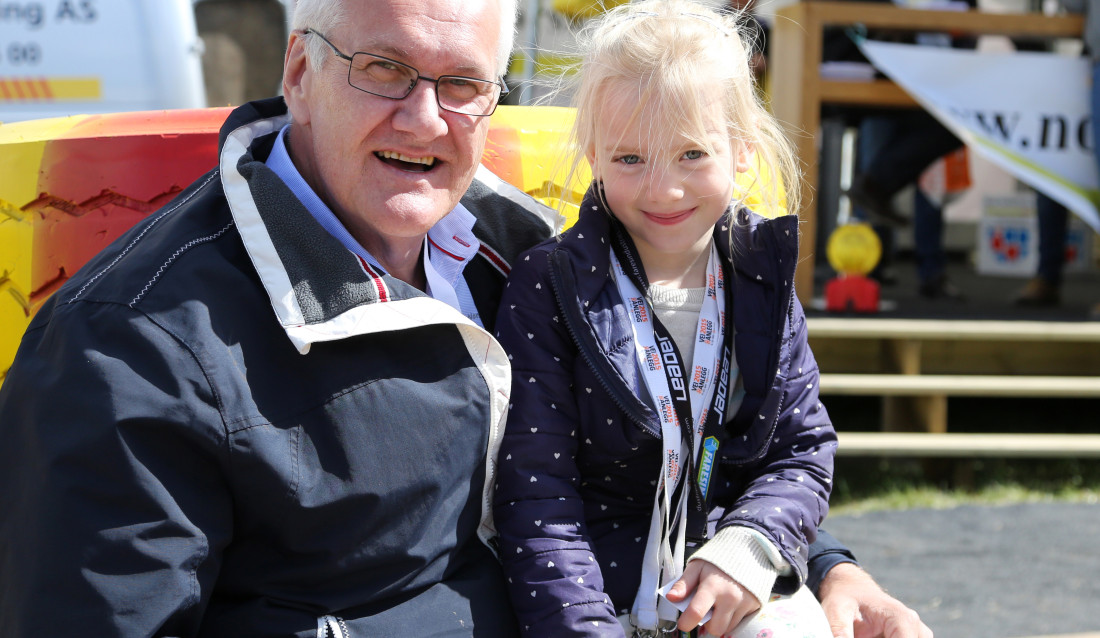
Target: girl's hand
713,588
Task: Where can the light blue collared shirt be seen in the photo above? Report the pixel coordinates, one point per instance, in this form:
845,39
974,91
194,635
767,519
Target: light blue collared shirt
450,244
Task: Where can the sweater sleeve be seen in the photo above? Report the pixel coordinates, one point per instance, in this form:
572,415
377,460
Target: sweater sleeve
115,508
746,557
555,582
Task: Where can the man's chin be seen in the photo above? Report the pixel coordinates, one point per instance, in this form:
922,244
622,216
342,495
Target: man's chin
419,211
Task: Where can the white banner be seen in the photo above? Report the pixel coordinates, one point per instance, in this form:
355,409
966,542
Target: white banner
1026,112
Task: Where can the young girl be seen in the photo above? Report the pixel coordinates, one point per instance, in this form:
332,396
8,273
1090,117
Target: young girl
664,400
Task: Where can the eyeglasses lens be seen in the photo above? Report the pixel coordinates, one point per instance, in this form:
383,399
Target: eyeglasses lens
395,80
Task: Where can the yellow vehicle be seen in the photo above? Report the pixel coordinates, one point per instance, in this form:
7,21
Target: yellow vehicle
91,56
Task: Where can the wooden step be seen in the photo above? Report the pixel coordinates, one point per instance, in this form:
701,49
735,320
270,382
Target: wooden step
953,329
960,385
968,445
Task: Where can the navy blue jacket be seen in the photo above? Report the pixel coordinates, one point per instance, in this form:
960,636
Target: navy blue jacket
581,451
224,425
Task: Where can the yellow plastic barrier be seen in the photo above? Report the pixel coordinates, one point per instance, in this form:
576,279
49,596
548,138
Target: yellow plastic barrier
527,148
70,186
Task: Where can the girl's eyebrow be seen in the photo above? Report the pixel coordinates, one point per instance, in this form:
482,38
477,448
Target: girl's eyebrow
622,150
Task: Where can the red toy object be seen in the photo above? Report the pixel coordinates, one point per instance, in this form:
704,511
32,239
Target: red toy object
850,292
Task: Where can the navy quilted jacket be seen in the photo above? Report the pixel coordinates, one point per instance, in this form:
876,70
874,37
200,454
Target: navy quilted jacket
581,452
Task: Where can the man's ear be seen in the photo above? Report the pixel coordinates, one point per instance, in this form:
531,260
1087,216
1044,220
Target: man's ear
297,79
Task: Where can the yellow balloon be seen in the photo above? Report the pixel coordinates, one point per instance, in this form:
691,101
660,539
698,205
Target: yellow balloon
853,249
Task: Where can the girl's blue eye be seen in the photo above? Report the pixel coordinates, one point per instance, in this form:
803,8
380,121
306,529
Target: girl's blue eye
629,159
693,155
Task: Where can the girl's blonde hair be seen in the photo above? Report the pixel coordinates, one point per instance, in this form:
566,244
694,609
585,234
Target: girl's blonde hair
677,54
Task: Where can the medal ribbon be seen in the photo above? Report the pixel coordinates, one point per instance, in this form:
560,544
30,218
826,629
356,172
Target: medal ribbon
690,405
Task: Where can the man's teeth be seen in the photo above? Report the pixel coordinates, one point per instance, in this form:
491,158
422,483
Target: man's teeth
427,161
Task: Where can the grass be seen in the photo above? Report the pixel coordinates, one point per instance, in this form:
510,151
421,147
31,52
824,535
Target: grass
863,485
866,484
932,498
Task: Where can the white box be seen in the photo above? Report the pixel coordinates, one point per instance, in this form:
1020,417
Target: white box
1008,236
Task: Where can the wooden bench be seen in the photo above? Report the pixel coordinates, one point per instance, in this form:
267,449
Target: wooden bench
798,91
932,385
915,365
919,444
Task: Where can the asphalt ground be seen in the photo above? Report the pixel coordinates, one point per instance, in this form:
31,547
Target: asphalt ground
986,572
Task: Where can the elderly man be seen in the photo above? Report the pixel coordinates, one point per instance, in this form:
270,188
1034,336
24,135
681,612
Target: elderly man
266,410
273,407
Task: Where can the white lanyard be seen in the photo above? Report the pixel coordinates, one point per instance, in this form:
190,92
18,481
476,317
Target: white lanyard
667,382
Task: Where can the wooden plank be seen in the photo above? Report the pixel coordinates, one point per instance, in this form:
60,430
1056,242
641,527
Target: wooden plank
875,93
796,103
925,413
960,385
967,445
902,356
1009,357
885,16
953,329
952,356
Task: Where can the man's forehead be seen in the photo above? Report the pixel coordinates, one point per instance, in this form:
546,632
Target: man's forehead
450,33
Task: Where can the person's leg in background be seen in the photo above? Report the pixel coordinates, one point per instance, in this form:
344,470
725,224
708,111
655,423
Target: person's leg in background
876,132
918,140
1044,289
928,245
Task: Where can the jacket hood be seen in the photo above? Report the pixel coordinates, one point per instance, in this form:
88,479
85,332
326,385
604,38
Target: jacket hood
743,237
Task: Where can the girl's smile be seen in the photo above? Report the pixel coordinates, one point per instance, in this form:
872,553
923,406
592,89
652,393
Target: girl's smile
669,219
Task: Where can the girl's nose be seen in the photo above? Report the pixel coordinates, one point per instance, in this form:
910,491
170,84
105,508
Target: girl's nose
663,185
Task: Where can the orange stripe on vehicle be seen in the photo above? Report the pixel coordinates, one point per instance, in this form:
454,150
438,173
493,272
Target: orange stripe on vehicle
49,89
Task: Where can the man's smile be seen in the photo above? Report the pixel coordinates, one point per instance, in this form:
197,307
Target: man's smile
405,162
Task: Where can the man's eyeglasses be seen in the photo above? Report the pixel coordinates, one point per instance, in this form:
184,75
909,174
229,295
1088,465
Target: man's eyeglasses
395,80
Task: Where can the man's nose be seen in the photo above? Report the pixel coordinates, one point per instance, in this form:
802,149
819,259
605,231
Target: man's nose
420,114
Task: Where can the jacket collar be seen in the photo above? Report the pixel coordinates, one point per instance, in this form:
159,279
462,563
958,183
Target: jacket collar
318,290
764,253
753,240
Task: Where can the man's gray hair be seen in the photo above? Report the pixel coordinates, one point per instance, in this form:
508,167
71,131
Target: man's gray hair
324,16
